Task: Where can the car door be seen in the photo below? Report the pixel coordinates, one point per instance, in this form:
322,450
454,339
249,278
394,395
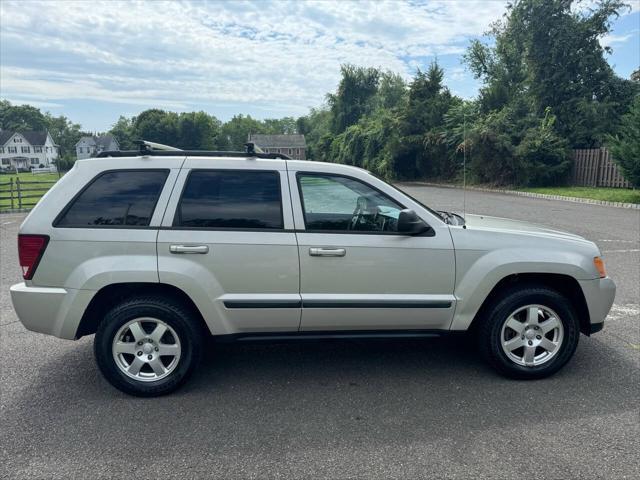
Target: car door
227,240
356,271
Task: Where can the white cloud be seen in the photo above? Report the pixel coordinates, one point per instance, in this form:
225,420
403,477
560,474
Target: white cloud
282,56
612,40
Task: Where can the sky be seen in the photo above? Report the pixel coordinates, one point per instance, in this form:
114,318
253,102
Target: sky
94,61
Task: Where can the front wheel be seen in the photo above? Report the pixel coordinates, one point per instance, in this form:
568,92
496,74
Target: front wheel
147,346
531,332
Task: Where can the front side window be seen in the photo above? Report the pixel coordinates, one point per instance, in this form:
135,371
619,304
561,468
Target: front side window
37,149
336,203
13,149
34,161
233,199
5,161
26,150
125,197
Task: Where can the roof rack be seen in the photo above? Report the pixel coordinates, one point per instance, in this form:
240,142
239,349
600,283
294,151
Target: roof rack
153,149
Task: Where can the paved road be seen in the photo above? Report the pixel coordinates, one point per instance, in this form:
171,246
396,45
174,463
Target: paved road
403,409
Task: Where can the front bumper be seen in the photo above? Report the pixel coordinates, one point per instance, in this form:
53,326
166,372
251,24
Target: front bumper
599,294
53,311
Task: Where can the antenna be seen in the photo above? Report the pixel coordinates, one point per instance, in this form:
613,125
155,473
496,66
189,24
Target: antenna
464,165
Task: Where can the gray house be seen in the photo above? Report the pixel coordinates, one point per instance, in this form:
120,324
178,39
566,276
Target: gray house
293,145
91,146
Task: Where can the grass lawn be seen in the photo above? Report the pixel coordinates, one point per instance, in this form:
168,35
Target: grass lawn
33,190
597,193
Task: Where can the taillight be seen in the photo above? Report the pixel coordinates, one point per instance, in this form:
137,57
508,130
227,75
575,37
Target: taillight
30,251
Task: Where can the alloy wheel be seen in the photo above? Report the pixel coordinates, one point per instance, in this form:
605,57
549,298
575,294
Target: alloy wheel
146,349
532,335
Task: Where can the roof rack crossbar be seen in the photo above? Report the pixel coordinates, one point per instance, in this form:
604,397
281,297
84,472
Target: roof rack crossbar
148,148
192,153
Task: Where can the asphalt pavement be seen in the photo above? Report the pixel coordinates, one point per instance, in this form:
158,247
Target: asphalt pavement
340,409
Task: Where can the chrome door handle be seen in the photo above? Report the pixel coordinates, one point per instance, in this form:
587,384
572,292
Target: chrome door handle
189,249
327,252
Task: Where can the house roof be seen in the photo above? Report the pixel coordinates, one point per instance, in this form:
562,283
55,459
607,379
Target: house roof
100,141
278,141
34,138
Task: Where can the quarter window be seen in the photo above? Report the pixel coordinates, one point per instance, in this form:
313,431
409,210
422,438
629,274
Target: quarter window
337,203
233,199
125,197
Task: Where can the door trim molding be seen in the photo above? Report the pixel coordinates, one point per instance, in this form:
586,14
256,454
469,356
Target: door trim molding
337,303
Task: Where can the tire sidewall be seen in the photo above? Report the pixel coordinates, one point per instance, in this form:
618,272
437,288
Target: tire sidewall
532,296
162,310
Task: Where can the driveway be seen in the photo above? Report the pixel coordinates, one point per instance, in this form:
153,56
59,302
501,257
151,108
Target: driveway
381,409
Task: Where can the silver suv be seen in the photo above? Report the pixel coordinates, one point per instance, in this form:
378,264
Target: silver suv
154,252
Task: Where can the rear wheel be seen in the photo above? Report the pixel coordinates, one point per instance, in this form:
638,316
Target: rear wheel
531,332
147,346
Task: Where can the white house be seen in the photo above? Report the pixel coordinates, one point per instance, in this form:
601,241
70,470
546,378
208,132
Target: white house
26,150
91,146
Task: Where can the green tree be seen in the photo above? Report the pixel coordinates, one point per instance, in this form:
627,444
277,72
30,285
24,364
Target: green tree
354,97
549,52
21,117
235,132
65,133
316,128
157,125
277,126
423,147
198,131
123,131
625,145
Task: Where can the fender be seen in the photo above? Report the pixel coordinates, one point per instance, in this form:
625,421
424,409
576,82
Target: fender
478,272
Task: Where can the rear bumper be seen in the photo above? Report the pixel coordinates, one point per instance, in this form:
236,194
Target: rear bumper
599,295
53,311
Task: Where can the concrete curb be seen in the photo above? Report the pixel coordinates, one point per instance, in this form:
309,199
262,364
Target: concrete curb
590,201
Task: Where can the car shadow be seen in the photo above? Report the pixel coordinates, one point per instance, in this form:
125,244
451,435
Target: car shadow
311,393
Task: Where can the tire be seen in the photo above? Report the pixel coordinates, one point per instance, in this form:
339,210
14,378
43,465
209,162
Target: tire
159,360
529,306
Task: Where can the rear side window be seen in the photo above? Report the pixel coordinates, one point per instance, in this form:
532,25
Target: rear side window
233,199
119,198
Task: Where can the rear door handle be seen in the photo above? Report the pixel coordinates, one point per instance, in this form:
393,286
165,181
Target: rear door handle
189,249
327,252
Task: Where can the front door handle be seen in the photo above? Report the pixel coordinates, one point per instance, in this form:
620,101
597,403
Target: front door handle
327,252
189,248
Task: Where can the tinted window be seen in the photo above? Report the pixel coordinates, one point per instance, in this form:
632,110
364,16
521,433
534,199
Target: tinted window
231,199
125,197
332,202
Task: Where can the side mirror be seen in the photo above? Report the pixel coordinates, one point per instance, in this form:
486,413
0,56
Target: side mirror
409,223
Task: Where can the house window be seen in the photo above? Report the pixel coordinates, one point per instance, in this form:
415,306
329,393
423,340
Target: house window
26,150
12,149
5,161
17,140
1,149
37,149
34,161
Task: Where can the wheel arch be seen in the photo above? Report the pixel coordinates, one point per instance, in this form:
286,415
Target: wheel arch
566,285
111,294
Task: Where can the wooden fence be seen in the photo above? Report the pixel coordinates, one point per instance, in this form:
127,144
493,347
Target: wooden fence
594,167
17,194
